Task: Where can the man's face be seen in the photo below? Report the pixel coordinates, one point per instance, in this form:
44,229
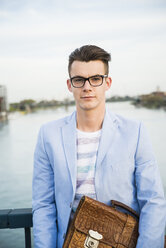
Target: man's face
89,97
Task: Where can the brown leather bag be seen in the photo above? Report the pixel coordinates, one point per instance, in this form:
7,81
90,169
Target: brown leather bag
98,225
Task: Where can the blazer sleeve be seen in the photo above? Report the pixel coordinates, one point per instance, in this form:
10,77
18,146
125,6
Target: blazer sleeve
43,198
150,195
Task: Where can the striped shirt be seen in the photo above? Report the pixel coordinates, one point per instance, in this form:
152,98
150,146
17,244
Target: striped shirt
87,148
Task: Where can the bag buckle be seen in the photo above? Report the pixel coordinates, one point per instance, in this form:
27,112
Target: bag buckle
92,240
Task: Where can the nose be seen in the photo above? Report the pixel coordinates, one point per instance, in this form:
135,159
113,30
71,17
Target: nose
87,85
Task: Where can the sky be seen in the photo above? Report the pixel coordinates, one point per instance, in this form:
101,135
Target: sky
37,36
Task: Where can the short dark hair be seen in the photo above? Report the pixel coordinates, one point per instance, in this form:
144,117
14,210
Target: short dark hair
87,53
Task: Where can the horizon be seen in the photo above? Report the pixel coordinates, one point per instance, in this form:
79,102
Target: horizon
71,98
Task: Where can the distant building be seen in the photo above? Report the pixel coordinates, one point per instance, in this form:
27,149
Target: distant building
159,93
3,102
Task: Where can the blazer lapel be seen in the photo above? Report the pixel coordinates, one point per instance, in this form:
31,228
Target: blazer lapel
108,135
109,131
69,141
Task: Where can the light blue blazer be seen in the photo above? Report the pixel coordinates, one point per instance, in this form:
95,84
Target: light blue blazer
126,171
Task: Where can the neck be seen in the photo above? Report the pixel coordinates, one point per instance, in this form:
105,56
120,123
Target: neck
90,120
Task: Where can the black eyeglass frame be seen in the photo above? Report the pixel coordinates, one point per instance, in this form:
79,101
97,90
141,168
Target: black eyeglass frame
85,79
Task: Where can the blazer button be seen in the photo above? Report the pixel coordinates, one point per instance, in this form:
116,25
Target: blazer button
70,204
64,235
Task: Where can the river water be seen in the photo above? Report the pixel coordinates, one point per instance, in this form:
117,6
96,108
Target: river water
17,142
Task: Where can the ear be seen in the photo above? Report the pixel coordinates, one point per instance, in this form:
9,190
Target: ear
69,85
108,82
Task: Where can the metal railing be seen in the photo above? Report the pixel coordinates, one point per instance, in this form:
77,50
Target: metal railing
18,218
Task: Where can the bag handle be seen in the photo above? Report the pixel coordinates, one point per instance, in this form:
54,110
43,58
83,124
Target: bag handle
122,205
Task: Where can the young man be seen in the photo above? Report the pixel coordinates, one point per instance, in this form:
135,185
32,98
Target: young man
96,153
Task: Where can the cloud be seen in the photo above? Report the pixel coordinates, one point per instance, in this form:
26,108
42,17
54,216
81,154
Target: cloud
37,36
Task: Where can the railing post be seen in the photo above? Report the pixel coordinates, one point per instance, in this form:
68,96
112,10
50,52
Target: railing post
18,218
27,237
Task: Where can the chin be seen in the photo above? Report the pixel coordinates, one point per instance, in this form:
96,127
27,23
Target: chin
88,107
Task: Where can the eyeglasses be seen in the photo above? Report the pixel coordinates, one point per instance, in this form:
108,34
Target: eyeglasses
95,81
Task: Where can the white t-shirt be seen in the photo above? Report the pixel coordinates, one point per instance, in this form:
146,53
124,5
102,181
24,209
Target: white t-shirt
87,149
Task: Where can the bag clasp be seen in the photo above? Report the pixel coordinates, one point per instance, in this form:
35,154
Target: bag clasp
92,240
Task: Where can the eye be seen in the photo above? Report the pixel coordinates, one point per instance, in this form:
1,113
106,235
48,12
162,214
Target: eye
96,78
78,80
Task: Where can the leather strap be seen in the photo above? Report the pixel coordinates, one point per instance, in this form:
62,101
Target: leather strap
125,237
122,205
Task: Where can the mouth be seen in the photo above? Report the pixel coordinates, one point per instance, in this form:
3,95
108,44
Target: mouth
87,97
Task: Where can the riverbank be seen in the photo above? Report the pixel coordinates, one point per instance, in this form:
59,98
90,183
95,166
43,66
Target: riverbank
29,105
155,100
